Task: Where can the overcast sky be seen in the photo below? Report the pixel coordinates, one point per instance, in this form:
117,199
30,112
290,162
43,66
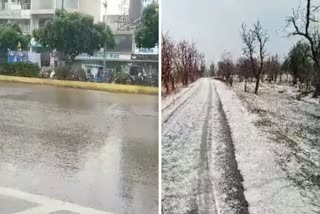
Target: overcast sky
214,25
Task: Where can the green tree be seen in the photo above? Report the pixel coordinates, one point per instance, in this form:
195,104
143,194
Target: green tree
147,33
105,35
74,33
299,62
10,37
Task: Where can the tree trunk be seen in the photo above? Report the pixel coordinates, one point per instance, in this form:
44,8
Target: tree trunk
317,89
167,88
295,81
172,84
317,80
245,85
257,85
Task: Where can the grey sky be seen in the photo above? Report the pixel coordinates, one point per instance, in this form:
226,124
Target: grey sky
215,24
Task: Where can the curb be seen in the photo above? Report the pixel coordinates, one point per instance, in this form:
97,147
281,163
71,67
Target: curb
117,88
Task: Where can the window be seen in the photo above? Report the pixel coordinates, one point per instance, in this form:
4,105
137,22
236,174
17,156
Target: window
123,43
68,4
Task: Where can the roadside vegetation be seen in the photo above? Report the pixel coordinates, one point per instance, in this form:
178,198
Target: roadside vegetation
19,69
147,32
182,63
70,34
300,68
282,94
74,33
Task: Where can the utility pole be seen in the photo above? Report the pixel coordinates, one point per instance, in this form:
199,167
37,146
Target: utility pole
105,4
62,6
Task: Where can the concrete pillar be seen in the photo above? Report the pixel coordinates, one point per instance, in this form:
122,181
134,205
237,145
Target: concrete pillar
34,23
2,5
9,4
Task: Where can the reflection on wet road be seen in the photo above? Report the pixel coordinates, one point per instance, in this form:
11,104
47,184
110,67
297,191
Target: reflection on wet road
91,148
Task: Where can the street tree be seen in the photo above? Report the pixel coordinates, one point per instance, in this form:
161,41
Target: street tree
304,21
146,34
106,39
254,41
74,33
10,37
105,35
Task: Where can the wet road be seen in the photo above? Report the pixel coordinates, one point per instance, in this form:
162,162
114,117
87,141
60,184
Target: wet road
92,149
199,168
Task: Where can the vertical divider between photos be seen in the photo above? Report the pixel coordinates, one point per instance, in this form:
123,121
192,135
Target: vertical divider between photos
160,104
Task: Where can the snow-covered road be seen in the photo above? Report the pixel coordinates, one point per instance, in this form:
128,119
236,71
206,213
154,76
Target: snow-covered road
215,159
199,170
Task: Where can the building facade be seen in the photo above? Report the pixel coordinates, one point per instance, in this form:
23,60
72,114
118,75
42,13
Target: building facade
32,14
125,51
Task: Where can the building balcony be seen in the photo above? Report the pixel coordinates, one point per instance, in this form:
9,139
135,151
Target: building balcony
15,14
39,7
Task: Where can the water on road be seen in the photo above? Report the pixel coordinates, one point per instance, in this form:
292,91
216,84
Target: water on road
90,148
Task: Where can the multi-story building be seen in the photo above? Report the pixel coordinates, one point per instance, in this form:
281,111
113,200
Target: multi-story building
32,14
123,24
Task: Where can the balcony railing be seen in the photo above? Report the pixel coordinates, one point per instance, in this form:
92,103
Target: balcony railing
15,6
14,14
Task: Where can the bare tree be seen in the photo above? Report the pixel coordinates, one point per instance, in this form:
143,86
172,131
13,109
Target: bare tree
212,69
226,68
188,62
273,68
167,66
202,65
253,39
181,61
301,21
244,66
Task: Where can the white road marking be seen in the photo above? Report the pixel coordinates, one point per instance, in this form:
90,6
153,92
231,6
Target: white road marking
47,205
39,210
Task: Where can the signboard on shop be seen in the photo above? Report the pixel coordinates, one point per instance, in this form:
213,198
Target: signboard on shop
144,57
147,51
100,56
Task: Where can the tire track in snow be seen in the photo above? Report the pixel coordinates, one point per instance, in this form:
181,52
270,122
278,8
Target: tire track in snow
199,171
181,154
206,200
226,176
